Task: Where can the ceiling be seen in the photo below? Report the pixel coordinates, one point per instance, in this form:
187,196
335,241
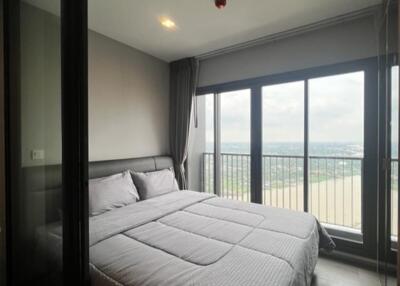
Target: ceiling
202,28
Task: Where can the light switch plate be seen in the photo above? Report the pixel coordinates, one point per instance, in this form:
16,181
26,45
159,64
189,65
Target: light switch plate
37,155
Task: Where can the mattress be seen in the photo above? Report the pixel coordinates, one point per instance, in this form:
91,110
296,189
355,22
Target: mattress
191,238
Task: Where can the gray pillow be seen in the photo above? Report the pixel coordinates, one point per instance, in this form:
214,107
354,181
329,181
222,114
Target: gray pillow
156,183
111,192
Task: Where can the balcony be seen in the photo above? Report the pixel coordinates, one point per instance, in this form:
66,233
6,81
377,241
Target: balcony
334,189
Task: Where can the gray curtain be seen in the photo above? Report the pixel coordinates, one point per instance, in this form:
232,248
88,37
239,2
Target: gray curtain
183,82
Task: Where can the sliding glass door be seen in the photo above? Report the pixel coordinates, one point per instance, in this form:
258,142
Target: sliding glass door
394,184
336,148
219,158
46,95
35,110
209,144
201,157
333,137
283,145
234,155
298,141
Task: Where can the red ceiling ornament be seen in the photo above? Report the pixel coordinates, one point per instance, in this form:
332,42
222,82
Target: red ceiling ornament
220,3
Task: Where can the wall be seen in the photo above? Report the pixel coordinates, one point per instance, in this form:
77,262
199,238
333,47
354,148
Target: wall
128,95
40,86
347,41
128,101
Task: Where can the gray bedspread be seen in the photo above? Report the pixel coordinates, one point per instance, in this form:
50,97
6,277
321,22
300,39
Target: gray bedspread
191,238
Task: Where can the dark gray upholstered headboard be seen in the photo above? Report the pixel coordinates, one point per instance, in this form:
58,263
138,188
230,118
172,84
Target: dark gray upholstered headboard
43,184
146,164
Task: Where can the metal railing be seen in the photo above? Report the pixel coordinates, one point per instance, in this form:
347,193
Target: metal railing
334,188
235,175
283,181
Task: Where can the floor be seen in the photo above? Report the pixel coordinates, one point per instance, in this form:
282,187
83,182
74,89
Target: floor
332,273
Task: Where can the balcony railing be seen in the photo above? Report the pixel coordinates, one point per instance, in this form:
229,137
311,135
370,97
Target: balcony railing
334,190
334,184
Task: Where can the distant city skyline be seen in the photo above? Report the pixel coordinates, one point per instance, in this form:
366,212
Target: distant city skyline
336,112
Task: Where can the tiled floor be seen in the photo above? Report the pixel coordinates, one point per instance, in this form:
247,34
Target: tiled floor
332,273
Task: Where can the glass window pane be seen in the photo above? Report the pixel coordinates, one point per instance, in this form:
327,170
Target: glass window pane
283,145
201,146
336,128
394,149
235,144
209,148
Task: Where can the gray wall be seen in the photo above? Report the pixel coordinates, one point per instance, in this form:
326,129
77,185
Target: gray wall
40,86
344,42
128,101
128,95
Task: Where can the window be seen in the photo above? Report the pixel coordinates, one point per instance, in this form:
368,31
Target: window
201,146
209,144
336,148
394,150
283,145
235,145
310,152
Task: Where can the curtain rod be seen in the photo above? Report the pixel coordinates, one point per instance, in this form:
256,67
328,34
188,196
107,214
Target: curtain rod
370,11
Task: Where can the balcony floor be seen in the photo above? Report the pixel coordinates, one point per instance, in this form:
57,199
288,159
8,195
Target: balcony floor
332,273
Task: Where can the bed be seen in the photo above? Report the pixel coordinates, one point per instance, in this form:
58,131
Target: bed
193,238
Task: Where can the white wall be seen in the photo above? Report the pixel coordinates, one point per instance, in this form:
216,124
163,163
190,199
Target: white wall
347,41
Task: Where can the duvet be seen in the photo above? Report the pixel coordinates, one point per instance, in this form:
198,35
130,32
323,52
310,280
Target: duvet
191,238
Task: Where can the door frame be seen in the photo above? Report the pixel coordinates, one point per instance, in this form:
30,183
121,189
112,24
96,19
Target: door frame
2,158
74,85
398,155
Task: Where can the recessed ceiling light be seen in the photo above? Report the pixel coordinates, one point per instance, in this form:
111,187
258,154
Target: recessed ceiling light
168,23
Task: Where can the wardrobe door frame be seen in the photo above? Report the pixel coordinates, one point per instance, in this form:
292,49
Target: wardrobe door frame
398,140
74,85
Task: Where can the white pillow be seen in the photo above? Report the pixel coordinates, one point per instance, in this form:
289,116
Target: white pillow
156,183
111,192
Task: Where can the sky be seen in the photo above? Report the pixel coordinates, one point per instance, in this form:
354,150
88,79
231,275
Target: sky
235,116
336,107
